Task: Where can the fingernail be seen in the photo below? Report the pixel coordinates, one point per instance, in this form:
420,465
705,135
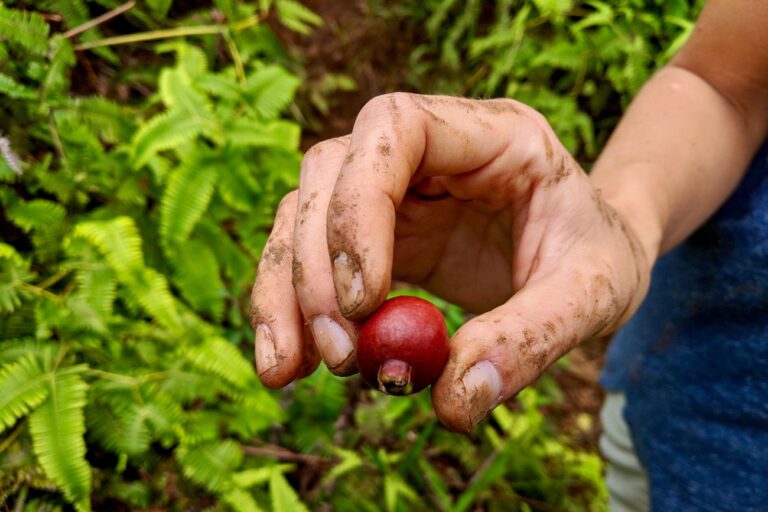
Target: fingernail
266,357
332,341
348,280
483,386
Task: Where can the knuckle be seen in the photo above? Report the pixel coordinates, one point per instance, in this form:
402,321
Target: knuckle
322,151
388,103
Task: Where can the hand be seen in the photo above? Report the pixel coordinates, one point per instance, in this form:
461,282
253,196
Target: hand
477,202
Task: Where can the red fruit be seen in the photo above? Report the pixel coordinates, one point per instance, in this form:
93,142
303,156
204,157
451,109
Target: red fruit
403,346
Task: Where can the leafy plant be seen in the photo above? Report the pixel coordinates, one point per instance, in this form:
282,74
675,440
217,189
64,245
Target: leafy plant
141,162
579,62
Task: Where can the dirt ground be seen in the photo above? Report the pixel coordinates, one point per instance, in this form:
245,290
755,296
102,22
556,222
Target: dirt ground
374,50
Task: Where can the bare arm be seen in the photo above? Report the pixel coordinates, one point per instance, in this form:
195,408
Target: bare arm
683,145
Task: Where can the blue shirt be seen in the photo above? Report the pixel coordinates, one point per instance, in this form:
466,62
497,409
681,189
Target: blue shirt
693,362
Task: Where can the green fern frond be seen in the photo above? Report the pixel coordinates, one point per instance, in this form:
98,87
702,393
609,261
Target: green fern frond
187,195
196,273
270,89
150,289
178,92
221,358
237,266
297,17
105,118
22,388
120,429
165,131
14,273
282,495
35,214
118,239
57,427
241,501
24,28
97,285
211,464
13,89
238,185
60,62
256,411
249,132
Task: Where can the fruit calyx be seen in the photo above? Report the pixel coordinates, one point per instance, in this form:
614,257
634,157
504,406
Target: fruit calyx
395,377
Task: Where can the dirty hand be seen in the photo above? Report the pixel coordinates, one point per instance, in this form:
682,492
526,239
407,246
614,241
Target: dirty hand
476,201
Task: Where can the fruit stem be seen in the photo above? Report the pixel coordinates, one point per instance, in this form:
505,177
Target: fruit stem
395,377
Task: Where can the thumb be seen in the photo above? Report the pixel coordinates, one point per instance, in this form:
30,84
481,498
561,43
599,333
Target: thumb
497,354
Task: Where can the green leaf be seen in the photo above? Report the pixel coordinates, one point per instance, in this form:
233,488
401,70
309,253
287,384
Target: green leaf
270,89
14,273
22,388
197,276
187,195
165,131
297,17
211,464
13,89
223,359
36,214
241,501
282,495
57,429
256,476
350,461
26,28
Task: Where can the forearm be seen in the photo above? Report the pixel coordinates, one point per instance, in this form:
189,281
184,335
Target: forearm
676,156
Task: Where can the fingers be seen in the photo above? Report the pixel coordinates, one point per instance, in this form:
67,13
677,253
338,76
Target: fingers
497,354
334,335
399,139
276,318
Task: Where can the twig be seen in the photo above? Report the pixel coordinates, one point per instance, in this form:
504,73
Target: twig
8,441
170,33
281,453
99,19
151,36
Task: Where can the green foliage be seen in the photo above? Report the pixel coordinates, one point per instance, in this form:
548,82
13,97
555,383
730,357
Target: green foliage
576,61
132,223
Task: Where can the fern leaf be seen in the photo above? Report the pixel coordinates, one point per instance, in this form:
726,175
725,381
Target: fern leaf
22,388
179,93
221,358
121,429
282,495
14,273
106,119
257,476
165,131
15,90
24,28
38,213
211,464
150,289
187,195
282,134
241,501
57,428
197,276
238,185
61,60
270,89
97,286
255,412
75,12
237,266
118,239
296,16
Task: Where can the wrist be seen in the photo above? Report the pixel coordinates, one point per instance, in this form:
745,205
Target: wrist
640,212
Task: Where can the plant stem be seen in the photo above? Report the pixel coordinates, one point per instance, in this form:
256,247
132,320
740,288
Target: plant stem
152,35
99,20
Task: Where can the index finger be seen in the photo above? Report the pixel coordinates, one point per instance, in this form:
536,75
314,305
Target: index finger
399,139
